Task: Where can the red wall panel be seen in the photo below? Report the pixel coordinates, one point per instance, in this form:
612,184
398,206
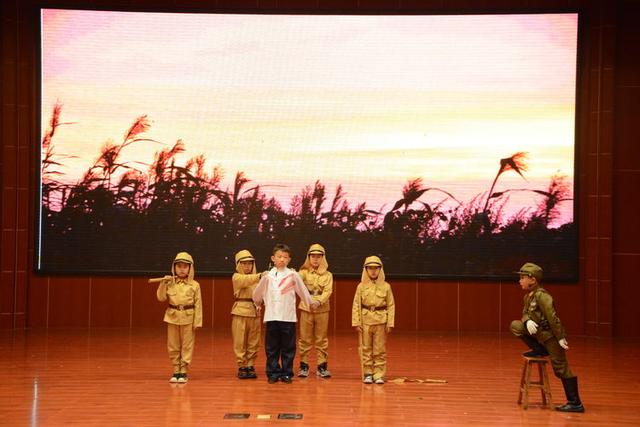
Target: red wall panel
69,302
404,295
223,300
110,302
511,296
38,301
437,304
344,290
627,155
479,306
6,300
146,310
208,299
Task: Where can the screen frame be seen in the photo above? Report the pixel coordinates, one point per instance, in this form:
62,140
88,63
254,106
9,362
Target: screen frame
579,122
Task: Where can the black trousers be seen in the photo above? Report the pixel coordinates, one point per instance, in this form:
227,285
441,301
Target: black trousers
557,354
280,346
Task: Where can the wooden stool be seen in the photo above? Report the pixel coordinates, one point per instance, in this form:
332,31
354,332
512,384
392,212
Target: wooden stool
542,383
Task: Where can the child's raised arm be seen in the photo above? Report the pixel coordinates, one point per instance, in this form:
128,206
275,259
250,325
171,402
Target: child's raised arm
259,291
161,293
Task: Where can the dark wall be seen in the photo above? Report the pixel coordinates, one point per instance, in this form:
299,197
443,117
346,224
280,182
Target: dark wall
626,170
599,304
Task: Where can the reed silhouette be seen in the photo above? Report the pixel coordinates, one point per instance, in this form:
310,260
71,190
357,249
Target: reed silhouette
126,216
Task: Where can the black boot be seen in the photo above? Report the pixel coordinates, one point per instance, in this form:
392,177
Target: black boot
537,349
573,398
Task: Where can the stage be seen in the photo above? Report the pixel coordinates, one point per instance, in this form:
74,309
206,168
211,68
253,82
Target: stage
119,377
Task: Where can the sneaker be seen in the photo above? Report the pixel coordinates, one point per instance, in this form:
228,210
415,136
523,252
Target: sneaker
368,379
174,378
286,379
322,371
251,372
304,370
272,380
242,373
182,378
379,381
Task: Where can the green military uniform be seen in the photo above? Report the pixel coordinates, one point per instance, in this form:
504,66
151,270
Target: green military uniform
547,336
374,311
538,306
245,321
314,322
183,315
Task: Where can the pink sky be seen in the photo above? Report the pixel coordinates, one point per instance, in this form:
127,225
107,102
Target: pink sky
345,99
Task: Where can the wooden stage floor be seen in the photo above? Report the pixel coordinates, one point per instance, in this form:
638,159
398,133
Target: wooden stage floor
118,377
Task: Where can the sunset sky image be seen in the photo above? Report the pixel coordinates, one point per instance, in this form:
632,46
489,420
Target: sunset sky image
363,101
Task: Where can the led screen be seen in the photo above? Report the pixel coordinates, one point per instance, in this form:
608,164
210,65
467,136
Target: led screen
445,144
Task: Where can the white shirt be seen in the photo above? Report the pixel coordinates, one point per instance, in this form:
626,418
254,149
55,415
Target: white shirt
278,290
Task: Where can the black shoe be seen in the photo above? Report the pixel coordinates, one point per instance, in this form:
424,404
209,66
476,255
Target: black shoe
251,373
304,370
536,353
571,407
242,373
536,349
322,371
272,380
286,379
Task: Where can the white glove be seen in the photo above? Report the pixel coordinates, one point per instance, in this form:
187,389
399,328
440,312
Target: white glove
532,327
563,343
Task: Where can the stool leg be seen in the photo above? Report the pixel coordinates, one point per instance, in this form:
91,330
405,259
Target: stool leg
524,370
547,387
543,384
527,383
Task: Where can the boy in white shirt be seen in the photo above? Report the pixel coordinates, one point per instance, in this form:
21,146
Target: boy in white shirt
278,289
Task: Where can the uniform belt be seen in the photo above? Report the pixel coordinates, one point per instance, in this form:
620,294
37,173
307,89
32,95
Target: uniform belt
181,307
244,299
315,293
544,325
373,307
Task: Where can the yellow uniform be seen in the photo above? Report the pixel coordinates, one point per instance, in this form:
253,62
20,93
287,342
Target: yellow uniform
374,311
245,321
183,315
314,322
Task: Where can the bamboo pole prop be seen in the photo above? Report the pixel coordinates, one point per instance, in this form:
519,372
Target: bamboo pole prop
158,279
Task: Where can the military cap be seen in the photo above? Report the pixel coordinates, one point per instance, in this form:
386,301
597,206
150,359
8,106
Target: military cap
532,270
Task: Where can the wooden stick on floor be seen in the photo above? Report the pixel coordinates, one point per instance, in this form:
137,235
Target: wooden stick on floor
401,380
